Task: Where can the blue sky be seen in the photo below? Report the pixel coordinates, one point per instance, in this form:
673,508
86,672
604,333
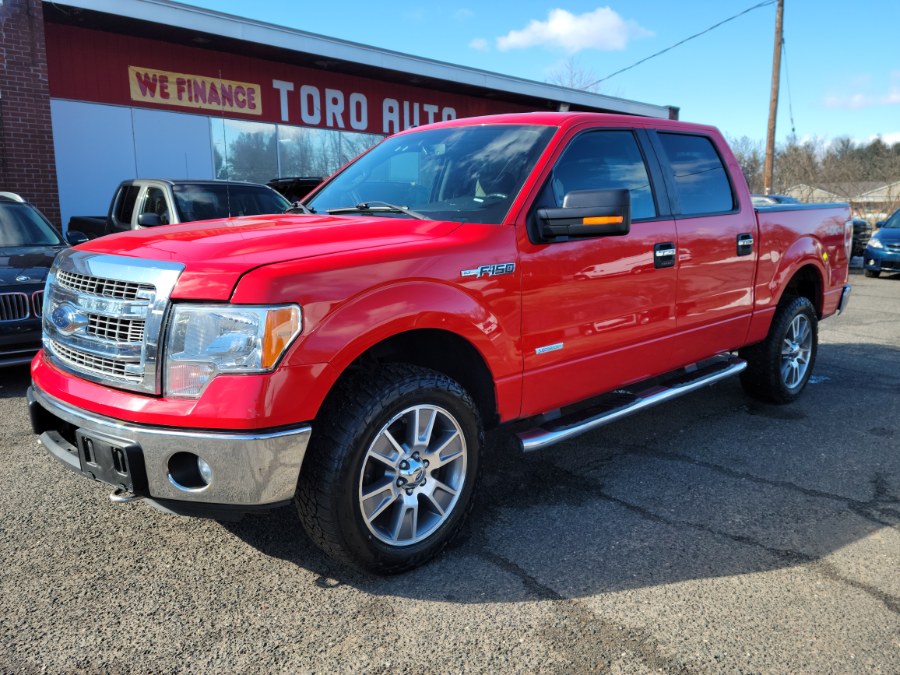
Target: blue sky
842,67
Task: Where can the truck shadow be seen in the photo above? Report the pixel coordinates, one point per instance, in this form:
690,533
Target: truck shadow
14,380
712,485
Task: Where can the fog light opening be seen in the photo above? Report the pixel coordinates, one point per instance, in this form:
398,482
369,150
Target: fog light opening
189,472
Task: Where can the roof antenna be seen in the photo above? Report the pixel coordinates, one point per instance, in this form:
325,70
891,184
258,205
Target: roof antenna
225,146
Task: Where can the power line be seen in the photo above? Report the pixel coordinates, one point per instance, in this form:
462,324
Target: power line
687,39
787,76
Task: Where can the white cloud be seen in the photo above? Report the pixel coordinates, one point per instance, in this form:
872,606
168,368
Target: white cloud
602,29
889,139
479,44
859,100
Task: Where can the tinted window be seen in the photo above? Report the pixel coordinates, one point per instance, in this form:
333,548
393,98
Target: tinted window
125,207
894,221
463,174
22,225
700,177
603,160
208,201
155,202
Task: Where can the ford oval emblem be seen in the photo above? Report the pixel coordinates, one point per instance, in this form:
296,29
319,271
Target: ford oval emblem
67,319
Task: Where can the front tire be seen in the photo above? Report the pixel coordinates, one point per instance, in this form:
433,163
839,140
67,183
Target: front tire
873,274
779,367
389,475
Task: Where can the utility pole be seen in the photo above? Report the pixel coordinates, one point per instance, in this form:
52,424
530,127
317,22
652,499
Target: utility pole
769,169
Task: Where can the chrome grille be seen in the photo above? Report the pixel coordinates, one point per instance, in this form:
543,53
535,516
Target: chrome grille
104,317
115,328
92,363
13,306
37,302
107,288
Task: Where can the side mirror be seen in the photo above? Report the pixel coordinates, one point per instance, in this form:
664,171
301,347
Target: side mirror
880,223
149,220
74,237
587,213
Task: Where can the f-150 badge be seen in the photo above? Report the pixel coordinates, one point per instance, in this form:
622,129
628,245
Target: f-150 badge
490,270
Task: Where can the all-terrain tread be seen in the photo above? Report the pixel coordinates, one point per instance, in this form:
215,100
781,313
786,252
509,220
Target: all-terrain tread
351,409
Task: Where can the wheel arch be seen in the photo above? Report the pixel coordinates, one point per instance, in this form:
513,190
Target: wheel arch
439,350
806,281
432,325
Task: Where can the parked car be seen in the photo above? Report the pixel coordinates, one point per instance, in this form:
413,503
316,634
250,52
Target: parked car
556,270
770,200
296,188
861,233
28,245
145,202
882,253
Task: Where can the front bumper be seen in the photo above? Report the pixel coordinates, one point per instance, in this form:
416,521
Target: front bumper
249,469
881,260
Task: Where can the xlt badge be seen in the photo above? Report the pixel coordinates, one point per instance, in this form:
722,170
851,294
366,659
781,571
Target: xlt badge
490,270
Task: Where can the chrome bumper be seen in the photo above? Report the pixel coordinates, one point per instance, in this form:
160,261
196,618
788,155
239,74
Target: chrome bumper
845,298
248,469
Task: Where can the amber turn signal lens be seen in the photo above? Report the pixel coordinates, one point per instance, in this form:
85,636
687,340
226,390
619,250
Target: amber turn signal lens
282,325
602,220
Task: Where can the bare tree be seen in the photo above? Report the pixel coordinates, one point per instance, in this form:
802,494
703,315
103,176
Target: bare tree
750,155
573,75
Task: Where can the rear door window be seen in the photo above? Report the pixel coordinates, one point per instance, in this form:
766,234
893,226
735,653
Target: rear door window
701,180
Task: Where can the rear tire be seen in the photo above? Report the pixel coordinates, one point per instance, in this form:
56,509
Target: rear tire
779,367
390,472
873,274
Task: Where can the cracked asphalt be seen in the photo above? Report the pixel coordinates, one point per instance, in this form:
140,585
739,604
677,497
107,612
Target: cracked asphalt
711,534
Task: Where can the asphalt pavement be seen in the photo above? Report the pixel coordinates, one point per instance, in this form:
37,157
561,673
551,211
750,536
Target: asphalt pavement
711,534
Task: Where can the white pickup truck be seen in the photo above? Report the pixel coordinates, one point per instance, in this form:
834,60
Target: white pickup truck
146,202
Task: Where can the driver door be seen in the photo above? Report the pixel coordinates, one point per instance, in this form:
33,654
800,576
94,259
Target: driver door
596,311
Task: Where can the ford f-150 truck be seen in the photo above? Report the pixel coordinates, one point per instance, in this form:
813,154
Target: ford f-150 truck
557,270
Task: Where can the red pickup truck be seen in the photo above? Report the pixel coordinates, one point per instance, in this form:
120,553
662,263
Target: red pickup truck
557,270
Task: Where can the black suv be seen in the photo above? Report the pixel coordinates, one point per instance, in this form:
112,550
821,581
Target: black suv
28,245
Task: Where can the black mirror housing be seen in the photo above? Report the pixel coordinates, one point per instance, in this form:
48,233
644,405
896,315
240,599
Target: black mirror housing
74,237
587,213
149,220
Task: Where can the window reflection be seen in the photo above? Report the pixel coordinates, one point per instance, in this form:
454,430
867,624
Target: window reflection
244,150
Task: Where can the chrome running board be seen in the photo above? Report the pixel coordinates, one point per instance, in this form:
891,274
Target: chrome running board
680,383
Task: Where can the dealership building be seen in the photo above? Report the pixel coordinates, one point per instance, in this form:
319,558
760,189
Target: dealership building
93,92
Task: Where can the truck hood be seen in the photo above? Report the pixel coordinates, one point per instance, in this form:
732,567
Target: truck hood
216,253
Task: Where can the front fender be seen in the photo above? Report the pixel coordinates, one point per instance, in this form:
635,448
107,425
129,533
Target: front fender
358,325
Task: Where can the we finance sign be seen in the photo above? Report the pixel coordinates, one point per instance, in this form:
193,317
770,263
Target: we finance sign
194,91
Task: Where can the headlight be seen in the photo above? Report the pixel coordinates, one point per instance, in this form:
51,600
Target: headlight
205,340
875,242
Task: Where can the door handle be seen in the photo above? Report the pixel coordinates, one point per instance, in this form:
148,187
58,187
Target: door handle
744,243
664,255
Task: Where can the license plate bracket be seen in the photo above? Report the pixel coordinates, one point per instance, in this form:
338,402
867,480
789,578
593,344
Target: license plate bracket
111,460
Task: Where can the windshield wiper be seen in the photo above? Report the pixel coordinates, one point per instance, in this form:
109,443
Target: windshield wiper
377,207
299,207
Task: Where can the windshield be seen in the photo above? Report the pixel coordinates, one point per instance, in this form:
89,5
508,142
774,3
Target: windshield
462,174
207,201
22,225
893,221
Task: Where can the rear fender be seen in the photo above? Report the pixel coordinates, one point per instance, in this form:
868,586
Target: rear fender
805,251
